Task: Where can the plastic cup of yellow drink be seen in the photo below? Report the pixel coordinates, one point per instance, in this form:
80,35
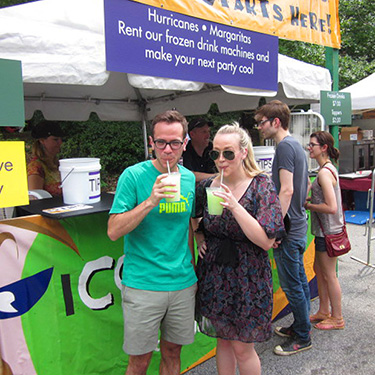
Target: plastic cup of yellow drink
213,202
173,178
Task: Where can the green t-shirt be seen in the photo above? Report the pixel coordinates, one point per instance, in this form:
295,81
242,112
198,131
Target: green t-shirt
157,255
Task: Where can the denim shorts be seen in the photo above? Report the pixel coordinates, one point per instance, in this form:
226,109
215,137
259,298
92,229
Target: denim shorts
147,312
320,244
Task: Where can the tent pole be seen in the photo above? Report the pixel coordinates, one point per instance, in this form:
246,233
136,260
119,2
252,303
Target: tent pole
332,64
143,111
144,128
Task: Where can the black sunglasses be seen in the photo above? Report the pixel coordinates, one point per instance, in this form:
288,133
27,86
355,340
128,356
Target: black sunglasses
260,123
229,155
161,144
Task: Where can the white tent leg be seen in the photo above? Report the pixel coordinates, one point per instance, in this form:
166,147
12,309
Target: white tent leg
369,224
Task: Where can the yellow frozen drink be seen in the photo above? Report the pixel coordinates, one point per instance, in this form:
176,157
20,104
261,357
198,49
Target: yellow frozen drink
173,178
213,202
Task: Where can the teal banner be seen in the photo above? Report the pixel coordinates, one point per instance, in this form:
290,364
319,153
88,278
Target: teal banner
12,111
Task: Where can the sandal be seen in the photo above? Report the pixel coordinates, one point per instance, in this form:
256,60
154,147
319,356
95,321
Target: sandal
330,324
318,317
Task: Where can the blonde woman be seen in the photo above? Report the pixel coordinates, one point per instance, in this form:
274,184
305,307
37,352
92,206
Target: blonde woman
234,298
326,212
42,170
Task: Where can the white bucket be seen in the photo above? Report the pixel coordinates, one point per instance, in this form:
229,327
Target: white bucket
264,157
80,180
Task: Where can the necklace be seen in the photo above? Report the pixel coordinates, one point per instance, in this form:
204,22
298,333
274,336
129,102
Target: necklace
328,161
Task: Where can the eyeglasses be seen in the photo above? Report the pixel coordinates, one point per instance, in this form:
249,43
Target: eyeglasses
161,144
260,123
312,144
229,155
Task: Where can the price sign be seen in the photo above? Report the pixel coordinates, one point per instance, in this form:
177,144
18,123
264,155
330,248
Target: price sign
336,107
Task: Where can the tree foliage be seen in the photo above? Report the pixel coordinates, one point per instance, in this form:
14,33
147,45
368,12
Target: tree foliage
117,144
357,55
357,19
8,3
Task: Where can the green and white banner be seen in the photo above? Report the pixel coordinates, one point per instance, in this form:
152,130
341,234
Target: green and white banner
60,300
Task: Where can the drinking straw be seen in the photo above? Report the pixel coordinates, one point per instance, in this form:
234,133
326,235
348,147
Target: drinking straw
169,170
221,177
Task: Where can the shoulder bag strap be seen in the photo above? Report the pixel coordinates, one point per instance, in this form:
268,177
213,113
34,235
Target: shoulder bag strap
333,173
343,214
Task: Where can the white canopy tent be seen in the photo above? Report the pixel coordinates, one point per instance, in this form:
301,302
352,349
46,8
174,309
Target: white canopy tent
61,44
362,94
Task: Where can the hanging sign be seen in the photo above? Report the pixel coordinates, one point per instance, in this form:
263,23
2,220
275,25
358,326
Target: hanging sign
314,21
12,112
151,41
13,178
336,107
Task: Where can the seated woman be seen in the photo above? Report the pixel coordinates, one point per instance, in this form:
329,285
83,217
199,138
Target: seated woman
42,170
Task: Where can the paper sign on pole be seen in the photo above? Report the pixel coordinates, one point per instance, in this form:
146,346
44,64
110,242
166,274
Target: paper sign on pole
13,178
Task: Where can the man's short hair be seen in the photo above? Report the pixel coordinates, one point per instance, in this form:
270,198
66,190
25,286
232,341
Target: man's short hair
170,117
274,109
199,123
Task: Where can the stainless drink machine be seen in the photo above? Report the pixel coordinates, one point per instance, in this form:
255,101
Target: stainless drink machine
356,156
371,155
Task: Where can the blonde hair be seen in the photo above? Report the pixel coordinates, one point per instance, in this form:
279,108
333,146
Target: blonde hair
37,150
250,165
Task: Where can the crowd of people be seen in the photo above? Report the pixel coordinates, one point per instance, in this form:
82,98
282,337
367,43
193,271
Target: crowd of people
228,289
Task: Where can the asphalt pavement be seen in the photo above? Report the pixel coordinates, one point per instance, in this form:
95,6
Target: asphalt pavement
349,351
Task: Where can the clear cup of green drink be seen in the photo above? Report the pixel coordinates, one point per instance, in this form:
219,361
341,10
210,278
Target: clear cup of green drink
213,202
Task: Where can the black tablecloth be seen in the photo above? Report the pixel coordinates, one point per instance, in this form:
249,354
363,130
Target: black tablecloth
36,207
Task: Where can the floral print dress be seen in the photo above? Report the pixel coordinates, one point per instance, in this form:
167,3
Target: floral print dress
235,297
52,179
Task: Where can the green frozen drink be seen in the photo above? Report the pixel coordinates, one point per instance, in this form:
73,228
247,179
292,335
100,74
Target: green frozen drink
213,202
173,178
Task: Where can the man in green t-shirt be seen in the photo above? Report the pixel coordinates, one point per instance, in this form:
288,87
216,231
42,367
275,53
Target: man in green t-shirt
159,281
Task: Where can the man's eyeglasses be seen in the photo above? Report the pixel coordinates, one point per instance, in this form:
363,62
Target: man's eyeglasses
260,123
161,144
229,155
312,144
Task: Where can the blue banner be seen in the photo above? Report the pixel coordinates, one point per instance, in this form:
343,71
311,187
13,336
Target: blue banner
142,39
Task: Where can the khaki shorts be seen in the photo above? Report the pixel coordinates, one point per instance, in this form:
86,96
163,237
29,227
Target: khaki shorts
145,312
